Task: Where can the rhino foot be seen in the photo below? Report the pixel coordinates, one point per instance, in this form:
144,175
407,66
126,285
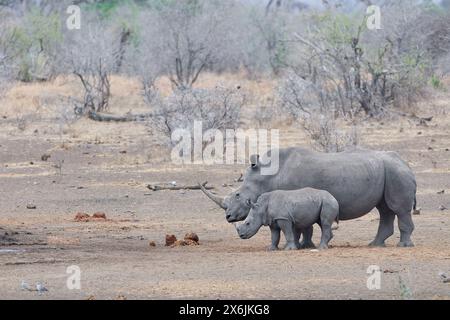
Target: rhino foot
377,244
307,245
290,246
405,244
273,248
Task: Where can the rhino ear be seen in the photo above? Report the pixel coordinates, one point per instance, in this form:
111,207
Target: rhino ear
252,205
254,161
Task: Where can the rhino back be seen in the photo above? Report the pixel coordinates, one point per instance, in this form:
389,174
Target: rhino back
301,206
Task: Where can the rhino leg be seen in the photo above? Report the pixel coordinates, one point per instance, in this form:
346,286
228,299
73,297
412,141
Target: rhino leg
400,194
328,215
327,234
386,226
406,226
297,233
289,232
307,239
275,233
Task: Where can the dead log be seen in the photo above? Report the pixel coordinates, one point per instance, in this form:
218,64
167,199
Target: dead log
96,116
171,186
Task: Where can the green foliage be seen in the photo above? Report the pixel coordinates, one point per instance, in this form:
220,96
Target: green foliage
436,82
337,29
432,7
405,291
36,40
106,8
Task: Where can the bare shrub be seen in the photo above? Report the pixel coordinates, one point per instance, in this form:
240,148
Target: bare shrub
347,69
265,113
327,136
90,54
301,97
217,108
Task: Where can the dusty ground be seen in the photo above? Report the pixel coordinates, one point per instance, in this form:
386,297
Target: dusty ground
89,171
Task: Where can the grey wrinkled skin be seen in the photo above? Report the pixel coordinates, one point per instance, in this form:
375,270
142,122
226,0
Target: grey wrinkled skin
359,179
291,212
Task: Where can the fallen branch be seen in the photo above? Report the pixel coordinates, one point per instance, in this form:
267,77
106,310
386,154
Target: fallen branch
414,117
43,261
170,186
115,118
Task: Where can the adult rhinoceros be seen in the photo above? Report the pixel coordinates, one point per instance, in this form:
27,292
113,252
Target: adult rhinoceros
359,179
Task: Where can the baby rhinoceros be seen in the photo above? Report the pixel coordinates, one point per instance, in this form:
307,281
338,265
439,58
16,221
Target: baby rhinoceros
291,212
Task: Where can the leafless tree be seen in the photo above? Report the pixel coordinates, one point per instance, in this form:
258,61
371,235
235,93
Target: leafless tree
7,40
90,54
191,34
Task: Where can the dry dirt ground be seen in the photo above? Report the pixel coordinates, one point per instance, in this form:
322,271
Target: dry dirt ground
106,166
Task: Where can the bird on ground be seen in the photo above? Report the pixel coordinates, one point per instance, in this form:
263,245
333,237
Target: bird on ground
25,286
40,288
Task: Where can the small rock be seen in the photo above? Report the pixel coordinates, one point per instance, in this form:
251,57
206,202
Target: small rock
441,192
191,236
81,216
444,277
389,271
123,151
31,206
99,215
121,297
442,207
31,162
152,244
179,243
91,297
419,133
170,239
45,157
191,243
314,250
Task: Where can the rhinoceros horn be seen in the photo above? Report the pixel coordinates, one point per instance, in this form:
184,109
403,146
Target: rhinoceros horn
218,200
